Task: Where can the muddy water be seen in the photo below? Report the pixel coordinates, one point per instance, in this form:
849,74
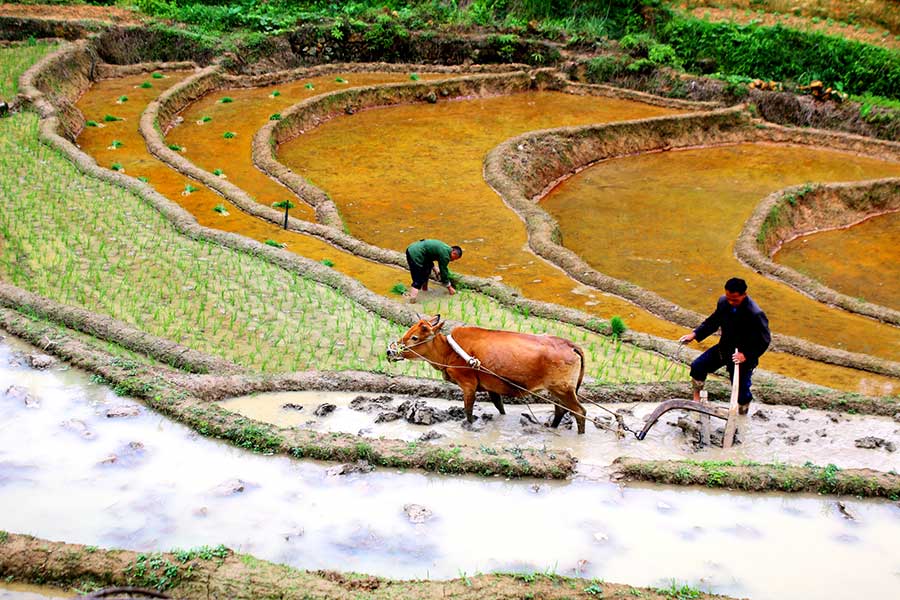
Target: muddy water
249,110
862,261
18,591
403,187
100,100
766,437
706,196
173,490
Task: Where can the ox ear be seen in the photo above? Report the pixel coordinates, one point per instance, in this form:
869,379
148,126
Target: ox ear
436,322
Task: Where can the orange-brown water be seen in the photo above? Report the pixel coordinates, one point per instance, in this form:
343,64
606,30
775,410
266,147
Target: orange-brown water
249,110
671,219
862,261
100,100
415,171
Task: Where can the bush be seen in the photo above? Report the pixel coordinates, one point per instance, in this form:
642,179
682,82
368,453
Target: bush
781,54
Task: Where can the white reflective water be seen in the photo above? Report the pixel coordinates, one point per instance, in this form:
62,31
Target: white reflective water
787,434
56,482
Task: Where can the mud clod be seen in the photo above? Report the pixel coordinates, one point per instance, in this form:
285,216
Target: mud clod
417,513
40,361
292,406
761,415
871,442
359,466
324,410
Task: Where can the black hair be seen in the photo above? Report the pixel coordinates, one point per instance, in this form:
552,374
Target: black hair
736,284
458,250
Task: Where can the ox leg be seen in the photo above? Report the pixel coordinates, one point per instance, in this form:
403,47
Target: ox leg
469,401
559,413
498,402
576,409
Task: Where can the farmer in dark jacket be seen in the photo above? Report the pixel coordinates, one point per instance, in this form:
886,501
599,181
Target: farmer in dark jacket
421,256
745,336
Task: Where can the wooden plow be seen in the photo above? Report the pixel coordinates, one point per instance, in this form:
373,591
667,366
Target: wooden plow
706,410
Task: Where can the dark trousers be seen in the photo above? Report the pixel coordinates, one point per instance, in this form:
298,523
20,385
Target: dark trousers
712,360
418,273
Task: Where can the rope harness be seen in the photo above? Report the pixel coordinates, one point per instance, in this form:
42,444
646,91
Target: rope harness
475,364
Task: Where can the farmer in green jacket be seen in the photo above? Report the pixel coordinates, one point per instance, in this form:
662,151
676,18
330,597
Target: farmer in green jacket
421,256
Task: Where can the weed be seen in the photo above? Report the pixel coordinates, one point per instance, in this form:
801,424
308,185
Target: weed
617,326
593,590
682,592
4,537
275,117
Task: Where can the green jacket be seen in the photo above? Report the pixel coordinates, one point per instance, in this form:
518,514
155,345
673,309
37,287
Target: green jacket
425,252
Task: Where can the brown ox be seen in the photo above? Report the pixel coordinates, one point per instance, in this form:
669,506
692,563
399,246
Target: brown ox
512,364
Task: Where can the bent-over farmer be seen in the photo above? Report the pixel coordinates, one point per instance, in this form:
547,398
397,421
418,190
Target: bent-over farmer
421,256
745,337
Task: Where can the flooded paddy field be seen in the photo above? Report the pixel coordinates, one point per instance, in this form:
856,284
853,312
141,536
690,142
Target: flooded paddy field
707,195
862,261
81,464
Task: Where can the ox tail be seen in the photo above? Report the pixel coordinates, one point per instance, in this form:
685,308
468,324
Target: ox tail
580,353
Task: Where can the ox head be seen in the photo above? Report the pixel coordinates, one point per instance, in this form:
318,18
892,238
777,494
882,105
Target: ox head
420,333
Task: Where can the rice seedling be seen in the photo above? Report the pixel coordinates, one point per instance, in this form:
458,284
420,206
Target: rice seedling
157,75
340,80
175,147
111,118
309,86
122,100
275,117
226,100
144,179
274,94
327,262
146,85
91,124
228,135
286,205
399,289
117,167
15,60
189,189
204,119
219,173
116,144
220,208
414,76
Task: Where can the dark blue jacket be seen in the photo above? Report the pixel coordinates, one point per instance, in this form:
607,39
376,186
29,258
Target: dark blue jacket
744,327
